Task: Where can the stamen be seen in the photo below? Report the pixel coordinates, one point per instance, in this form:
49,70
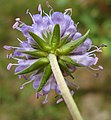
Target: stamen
7,47
16,58
27,12
45,13
96,60
103,45
94,46
76,24
99,68
96,50
15,26
9,56
46,99
60,100
19,40
49,6
94,74
17,19
40,9
68,12
38,94
10,65
24,76
22,86
94,55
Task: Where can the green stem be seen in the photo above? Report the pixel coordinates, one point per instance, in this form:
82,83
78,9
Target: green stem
64,89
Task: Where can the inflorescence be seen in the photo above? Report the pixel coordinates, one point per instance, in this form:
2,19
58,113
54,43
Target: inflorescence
54,33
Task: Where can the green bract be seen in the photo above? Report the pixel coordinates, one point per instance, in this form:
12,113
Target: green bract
35,53
70,46
46,75
55,37
34,66
52,44
41,43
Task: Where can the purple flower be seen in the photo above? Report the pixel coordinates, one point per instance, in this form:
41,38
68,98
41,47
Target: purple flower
32,54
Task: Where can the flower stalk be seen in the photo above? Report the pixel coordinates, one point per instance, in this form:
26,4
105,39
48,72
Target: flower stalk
64,89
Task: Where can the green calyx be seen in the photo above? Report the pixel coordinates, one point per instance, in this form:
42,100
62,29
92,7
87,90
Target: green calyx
70,46
51,43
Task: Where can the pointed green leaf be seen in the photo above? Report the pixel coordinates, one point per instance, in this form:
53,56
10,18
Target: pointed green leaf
69,47
65,67
46,75
63,40
55,37
68,60
42,44
35,53
49,37
44,36
34,66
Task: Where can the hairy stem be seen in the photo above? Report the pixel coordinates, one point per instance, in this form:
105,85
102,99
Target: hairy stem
64,89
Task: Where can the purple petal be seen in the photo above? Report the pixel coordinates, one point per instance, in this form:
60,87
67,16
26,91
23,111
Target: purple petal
85,60
24,29
36,84
87,43
36,79
18,54
71,30
77,35
38,19
65,26
46,21
58,90
20,68
46,88
23,62
83,48
57,18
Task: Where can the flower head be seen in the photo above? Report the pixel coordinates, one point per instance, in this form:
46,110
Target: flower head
54,33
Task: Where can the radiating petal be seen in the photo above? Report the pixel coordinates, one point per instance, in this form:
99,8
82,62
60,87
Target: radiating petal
85,60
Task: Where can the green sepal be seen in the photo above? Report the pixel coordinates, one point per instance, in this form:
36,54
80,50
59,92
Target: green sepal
69,60
63,66
34,66
55,37
46,75
44,36
64,40
42,44
69,47
35,53
49,37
